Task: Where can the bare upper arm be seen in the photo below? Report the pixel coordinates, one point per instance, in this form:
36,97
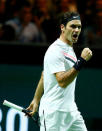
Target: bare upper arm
64,78
59,78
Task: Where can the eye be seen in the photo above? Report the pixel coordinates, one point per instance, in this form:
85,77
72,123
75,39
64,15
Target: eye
79,27
73,26
76,26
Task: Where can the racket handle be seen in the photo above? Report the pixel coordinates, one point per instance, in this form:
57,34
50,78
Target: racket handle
26,112
35,118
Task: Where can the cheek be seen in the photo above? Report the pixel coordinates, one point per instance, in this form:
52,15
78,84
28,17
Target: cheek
68,35
80,31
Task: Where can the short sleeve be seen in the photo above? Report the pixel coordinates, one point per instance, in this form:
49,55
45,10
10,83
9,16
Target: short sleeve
55,61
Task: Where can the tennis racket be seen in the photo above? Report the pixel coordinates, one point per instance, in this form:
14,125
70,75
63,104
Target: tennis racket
35,118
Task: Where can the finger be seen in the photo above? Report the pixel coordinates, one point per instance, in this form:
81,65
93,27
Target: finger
29,108
27,114
90,53
31,113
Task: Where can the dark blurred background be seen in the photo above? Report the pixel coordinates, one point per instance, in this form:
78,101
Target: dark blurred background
27,28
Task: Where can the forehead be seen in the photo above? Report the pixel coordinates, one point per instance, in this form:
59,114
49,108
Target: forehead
74,22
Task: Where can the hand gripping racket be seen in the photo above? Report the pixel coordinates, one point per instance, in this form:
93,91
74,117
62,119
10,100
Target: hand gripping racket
35,118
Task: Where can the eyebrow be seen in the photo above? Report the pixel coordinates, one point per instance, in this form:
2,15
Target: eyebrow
76,25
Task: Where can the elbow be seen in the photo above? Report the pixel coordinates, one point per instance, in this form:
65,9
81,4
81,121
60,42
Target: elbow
62,85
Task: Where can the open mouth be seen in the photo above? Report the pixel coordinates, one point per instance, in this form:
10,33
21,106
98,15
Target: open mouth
75,36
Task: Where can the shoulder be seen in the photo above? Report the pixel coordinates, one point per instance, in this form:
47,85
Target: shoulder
54,47
32,25
54,52
13,21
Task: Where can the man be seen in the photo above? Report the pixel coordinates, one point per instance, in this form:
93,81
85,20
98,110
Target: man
25,29
58,110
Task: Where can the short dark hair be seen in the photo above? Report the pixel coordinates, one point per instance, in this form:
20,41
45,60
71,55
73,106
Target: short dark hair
65,17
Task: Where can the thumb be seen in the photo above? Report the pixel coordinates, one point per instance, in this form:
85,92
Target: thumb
32,113
28,108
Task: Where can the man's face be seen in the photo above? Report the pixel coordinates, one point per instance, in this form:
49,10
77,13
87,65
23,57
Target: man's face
72,31
26,14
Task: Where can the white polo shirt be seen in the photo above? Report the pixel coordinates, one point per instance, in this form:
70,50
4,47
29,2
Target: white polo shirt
59,57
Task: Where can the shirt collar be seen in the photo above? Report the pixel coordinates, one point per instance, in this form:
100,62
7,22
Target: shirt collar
63,44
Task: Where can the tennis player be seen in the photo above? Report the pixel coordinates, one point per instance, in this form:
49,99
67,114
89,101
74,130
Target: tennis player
56,92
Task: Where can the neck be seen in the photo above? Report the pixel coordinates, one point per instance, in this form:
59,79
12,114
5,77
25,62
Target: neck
65,40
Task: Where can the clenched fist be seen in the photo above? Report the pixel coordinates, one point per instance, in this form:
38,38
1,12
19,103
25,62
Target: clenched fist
86,54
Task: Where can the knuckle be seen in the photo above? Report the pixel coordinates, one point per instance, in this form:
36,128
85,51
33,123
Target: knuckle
86,48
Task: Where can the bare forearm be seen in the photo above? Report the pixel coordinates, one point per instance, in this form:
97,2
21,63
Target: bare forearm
39,91
33,107
66,77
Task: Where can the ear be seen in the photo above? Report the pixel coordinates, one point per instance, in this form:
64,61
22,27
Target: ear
62,28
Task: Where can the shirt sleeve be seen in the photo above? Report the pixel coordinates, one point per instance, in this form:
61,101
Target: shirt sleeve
55,61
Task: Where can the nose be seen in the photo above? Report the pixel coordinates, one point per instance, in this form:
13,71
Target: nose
76,29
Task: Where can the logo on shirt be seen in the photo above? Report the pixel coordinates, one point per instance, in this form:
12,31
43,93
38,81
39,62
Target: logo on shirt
69,57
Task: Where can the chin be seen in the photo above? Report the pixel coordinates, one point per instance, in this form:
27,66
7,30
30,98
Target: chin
75,41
